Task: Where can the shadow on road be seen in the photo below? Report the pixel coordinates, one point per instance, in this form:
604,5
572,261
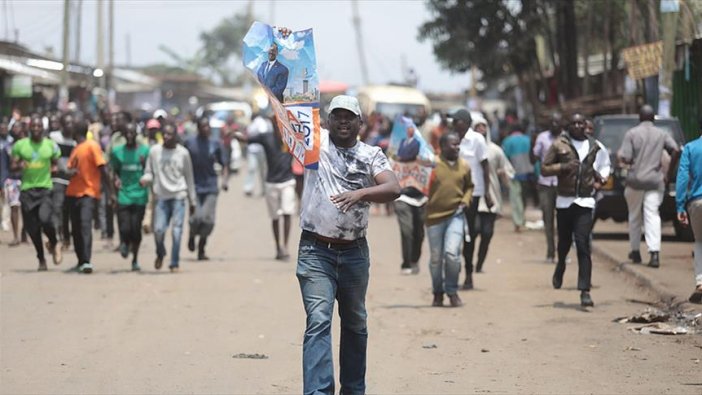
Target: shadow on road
625,237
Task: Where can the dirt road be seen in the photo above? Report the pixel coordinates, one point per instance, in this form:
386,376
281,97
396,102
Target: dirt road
115,331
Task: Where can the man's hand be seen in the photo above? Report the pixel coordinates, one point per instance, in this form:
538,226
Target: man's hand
118,183
488,200
225,186
143,183
570,166
239,136
682,218
344,201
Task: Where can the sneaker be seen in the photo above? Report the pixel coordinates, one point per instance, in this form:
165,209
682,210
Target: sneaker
135,267
468,284
201,256
42,267
191,243
406,271
414,268
655,260
158,262
174,269
124,250
455,300
635,256
56,253
85,268
438,300
586,300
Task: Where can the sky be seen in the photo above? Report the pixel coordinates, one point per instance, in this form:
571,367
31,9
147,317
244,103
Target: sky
389,30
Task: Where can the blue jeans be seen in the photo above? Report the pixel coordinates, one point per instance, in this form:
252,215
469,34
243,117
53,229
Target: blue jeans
326,274
167,209
445,243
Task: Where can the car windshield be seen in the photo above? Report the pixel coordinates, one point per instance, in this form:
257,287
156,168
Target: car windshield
393,109
224,115
611,131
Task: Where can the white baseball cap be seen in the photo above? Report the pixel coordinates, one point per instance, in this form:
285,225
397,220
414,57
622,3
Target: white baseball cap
346,102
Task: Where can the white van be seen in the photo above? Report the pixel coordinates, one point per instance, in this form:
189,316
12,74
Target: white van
392,100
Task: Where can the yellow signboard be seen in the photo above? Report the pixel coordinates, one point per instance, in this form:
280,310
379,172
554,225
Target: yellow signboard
643,60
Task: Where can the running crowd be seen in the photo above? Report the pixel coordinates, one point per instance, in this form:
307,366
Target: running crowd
65,174
563,168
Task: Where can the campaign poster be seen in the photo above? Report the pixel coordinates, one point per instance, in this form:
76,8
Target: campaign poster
411,157
286,67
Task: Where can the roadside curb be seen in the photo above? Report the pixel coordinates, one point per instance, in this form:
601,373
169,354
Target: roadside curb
641,279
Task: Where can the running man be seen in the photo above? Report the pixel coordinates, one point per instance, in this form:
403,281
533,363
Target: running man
127,162
170,171
204,153
35,157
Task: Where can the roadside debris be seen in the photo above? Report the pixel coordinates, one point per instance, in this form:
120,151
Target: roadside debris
649,316
660,328
250,356
671,321
429,346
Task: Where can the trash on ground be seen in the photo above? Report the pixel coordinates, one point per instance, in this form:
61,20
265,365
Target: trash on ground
250,356
429,346
649,316
660,328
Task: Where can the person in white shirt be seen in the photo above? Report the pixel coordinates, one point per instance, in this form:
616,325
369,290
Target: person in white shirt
582,165
473,150
500,169
256,156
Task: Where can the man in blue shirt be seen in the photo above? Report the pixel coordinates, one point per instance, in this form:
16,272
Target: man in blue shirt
688,198
517,147
204,152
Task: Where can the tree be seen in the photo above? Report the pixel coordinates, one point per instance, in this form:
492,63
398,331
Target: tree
223,43
497,36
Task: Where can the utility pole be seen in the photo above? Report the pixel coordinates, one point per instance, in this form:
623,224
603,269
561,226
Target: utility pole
7,22
63,89
111,59
79,17
359,41
669,15
100,58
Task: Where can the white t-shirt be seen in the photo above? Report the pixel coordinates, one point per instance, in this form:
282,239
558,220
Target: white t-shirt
473,151
602,166
340,170
258,125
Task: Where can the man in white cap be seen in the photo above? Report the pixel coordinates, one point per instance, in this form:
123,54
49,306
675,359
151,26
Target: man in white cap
333,259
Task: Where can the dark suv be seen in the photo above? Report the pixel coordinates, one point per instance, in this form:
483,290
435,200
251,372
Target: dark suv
610,130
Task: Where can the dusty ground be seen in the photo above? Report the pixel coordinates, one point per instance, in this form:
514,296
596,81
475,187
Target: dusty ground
154,332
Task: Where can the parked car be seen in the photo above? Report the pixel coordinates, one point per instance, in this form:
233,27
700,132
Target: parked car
610,130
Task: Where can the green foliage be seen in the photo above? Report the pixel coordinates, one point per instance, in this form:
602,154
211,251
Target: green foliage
497,36
222,43
220,46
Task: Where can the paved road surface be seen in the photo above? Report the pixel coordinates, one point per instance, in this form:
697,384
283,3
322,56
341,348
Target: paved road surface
154,332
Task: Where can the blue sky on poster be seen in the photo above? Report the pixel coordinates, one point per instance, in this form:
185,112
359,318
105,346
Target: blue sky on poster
389,31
